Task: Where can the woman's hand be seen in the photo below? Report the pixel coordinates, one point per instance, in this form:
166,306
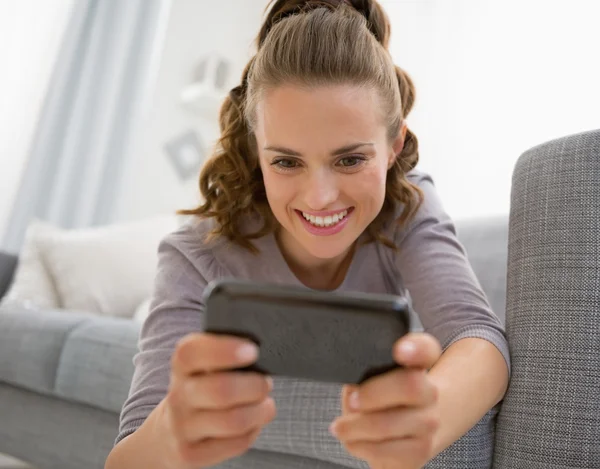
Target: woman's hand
390,420
212,413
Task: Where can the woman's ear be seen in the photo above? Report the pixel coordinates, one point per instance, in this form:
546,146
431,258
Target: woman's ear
398,144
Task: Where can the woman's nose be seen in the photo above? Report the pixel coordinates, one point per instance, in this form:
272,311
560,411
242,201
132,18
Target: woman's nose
321,190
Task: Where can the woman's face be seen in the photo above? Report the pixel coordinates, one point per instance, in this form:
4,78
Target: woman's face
324,155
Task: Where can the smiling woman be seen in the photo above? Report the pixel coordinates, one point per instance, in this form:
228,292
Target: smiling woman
344,91
339,163
314,184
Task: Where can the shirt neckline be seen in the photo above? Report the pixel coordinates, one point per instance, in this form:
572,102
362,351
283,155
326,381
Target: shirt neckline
290,277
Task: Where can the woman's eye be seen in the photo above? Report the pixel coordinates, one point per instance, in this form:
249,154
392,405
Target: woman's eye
285,163
350,161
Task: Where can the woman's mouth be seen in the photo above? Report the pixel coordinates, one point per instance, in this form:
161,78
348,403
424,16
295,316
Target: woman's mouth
326,224
328,220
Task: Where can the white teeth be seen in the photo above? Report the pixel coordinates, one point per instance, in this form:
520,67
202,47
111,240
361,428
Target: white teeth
325,221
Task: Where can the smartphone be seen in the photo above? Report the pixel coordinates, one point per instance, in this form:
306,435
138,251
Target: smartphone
323,336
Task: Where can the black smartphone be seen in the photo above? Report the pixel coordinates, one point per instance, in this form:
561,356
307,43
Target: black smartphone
317,335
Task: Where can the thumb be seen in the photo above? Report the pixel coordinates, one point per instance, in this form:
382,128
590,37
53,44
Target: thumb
347,390
417,350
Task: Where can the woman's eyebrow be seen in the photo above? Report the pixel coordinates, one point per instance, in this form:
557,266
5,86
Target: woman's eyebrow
351,147
339,151
282,150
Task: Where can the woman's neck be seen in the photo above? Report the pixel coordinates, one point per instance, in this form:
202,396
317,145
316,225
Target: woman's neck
314,272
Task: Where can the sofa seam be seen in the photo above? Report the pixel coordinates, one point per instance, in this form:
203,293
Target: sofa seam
62,350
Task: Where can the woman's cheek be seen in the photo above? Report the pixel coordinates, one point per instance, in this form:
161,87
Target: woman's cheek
279,190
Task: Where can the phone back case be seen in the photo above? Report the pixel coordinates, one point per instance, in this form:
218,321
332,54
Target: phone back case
322,336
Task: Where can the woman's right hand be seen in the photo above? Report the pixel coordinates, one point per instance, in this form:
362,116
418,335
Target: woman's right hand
211,413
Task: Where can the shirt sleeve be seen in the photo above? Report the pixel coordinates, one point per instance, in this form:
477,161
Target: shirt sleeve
434,268
175,311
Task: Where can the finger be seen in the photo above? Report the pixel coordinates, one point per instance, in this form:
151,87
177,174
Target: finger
399,387
211,452
204,352
227,423
385,425
412,452
224,390
417,350
347,391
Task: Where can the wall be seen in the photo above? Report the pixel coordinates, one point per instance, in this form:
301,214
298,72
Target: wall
195,29
494,78
30,37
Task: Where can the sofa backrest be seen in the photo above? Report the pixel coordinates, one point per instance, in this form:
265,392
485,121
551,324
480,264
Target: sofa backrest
486,243
550,417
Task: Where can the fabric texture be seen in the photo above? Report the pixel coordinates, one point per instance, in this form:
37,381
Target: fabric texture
142,311
95,363
77,357
105,270
91,104
8,264
32,283
486,243
431,265
31,345
52,433
550,414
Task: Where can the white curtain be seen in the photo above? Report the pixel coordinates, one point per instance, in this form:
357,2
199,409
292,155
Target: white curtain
494,78
94,102
31,33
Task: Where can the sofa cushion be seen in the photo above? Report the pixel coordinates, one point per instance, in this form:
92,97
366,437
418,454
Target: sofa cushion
74,356
32,283
108,270
96,365
31,343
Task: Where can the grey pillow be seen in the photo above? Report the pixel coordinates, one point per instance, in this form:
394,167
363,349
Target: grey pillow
550,417
8,263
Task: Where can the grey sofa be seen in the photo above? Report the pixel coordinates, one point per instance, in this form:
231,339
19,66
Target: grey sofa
63,377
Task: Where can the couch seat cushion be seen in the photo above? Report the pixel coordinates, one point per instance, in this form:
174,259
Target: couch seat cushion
74,356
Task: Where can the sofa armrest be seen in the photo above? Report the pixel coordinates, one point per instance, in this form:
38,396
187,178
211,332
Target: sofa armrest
551,413
8,265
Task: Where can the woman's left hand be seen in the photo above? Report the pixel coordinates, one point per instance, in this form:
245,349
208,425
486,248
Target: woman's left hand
390,420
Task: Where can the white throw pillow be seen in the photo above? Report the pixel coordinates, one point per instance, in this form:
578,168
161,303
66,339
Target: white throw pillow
32,283
142,311
106,270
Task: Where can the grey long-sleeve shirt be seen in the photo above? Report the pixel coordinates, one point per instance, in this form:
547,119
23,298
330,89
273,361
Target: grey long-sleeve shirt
431,266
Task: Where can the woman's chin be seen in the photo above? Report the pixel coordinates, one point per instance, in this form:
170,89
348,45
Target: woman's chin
322,249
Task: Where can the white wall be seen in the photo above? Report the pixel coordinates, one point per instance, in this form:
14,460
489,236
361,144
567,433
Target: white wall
30,37
195,29
494,78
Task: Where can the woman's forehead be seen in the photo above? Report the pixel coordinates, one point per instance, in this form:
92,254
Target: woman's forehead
325,110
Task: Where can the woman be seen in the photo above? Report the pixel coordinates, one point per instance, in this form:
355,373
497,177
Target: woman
313,183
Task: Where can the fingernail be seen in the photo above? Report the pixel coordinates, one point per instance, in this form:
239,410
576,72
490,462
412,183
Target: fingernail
407,349
270,383
247,352
333,428
353,401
